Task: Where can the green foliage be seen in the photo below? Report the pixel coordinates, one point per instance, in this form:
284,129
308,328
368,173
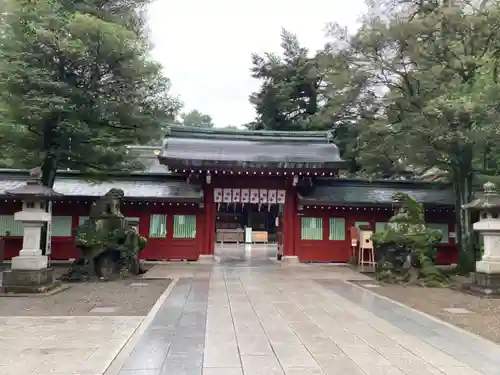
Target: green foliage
436,64
300,92
196,119
78,85
415,89
407,237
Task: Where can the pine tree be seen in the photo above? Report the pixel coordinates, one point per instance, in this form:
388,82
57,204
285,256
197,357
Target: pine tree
78,85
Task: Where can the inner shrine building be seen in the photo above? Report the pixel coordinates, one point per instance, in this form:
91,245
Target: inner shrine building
208,186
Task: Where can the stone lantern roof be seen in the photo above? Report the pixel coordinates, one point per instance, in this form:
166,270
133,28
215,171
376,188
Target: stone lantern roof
34,188
490,201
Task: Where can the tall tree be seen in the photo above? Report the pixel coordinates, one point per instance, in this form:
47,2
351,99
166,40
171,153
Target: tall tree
196,119
79,84
303,91
436,64
288,97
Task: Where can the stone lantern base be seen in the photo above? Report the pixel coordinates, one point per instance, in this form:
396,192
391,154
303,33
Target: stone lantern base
29,281
485,284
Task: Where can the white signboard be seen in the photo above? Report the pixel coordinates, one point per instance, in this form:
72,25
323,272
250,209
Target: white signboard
254,195
227,195
281,196
271,196
245,195
263,196
236,196
217,195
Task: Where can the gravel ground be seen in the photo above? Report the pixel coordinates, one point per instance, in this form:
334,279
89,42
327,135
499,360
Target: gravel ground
483,319
121,298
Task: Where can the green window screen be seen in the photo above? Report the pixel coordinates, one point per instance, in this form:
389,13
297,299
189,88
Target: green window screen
380,227
83,219
337,229
358,224
184,226
61,226
8,224
311,228
443,228
158,226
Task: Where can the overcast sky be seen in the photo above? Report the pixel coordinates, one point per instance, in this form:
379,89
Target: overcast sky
205,46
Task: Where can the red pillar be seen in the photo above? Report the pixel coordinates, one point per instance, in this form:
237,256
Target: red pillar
209,209
289,213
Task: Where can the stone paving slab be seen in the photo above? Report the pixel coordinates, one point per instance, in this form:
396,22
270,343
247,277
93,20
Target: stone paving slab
62,345
309,320
173,343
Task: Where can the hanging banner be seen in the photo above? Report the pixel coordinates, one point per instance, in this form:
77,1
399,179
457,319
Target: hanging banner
48,239
236,196
218,195
281,196
245,195
263,196
271,196
227,194
254,195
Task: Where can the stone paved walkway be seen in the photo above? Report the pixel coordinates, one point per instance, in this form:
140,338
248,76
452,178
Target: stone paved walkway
266,319
251,317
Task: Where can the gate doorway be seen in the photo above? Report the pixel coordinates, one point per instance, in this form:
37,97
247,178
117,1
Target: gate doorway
248,223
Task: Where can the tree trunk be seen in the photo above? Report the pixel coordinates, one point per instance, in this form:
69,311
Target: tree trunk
462,186
49,171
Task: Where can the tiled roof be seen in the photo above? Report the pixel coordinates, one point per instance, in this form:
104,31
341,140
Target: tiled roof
138,188
249,149
377,193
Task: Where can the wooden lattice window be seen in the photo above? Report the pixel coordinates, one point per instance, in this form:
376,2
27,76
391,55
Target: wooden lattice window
184,226
311,228
158,226
359,224
442,228
381,226
11,227
61,226
337,229
83,219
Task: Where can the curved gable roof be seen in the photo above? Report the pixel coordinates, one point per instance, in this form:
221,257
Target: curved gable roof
212,148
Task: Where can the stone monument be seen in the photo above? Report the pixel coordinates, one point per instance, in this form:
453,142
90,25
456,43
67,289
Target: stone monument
486,279
29,271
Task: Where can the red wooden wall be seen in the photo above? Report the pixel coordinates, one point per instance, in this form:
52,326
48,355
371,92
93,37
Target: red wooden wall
339,251
168,248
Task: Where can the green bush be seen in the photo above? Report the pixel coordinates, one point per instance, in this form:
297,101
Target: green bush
406,250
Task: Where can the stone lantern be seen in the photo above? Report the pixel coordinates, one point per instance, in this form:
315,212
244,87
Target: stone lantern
486,279
29,271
